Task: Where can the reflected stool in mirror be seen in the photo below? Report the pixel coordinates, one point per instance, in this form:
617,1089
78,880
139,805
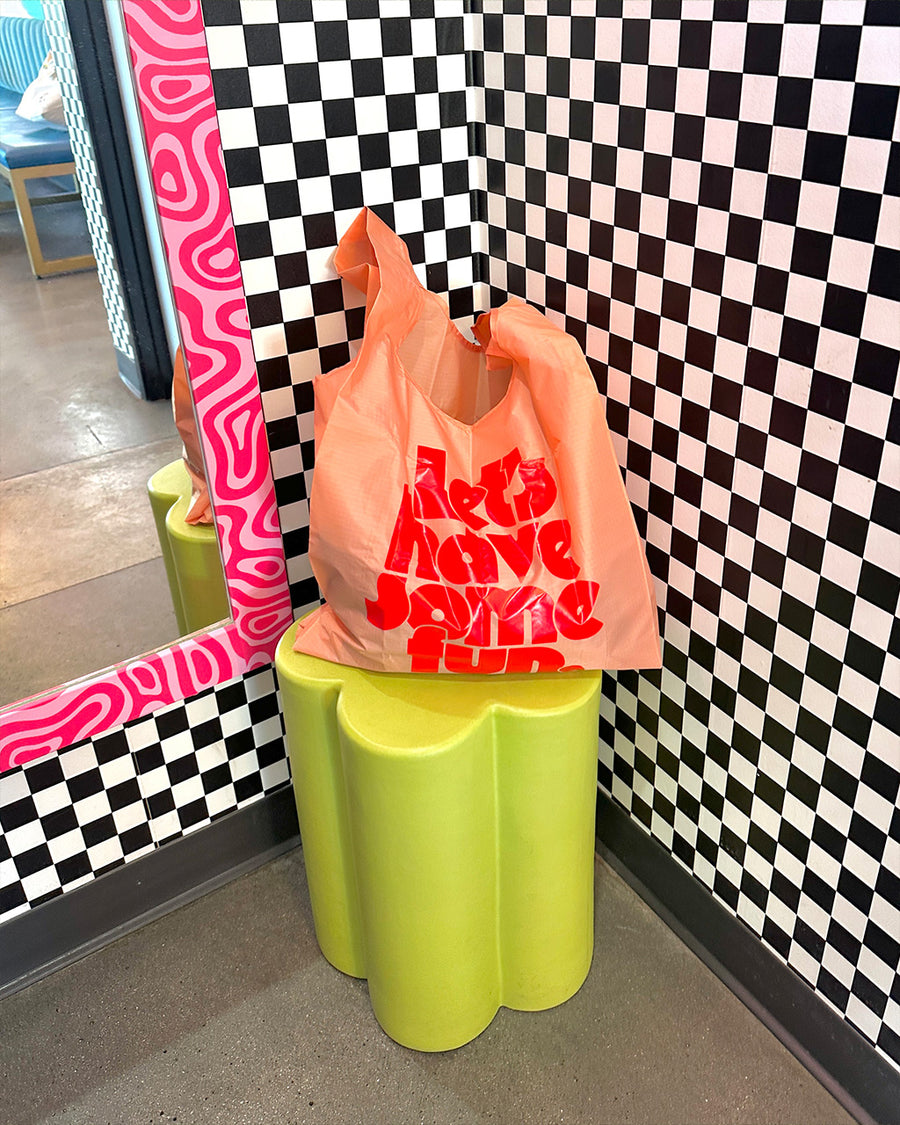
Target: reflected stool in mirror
190,552
447,825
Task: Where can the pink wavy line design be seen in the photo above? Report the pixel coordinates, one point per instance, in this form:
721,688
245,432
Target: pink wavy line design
171,67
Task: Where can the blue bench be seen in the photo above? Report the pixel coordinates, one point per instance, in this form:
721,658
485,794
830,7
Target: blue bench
30,150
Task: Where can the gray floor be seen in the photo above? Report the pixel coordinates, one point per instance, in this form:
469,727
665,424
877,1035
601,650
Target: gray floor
225,1012
82,583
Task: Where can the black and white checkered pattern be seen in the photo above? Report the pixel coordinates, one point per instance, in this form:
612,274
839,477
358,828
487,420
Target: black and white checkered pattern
85,165
707,195
324,107
66,819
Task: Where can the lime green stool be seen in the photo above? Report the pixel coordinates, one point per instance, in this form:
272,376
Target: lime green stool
448,833
190,552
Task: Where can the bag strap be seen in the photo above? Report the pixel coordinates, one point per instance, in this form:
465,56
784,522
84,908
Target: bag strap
375,260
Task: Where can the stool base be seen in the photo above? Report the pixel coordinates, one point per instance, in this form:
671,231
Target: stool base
448,831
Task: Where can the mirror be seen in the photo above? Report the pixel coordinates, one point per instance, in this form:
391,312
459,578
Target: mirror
178,115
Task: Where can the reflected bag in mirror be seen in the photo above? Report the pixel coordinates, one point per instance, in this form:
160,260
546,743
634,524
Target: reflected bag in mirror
467,510
199,509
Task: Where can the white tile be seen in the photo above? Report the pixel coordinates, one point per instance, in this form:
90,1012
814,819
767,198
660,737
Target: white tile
65,846
865,164
237,128
259,11
879,52
830,106
267,85
118,770
52,799
226,46
298,42
105,853
727,46
40,883
863,1018
816,210
799,45
850,263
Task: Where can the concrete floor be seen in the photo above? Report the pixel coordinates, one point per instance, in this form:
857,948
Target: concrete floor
82,583
226,1012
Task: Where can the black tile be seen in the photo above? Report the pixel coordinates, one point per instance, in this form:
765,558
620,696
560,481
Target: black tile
332,40
762,50
782,200
396,36
744,237
695,37
876,366
687,137
661,82
829,396
837,52
273,124
606,82
715,186
368,77
221,13
811,253
231,88
723,96
770,289
263,44
843,310
754,142
884,280
823,158
583,37
874,109
636,41
792,101
311,159
857,214
682,222
74,867
282,201
243,167
302,82
340,117
631,127
288,10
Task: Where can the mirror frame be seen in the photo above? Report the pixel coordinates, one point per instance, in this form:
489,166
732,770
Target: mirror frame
170,64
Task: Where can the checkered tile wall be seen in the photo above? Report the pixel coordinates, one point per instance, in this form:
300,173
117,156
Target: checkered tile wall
707,195
65,820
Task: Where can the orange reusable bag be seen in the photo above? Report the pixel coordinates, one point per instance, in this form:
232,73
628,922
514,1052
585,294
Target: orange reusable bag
467,510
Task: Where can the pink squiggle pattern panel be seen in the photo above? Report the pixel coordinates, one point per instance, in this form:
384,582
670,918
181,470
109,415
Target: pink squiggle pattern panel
174,85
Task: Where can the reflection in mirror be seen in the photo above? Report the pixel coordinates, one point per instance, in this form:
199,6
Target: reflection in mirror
82,579
172,77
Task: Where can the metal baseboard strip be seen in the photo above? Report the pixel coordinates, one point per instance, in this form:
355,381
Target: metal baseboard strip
846,1064
67,928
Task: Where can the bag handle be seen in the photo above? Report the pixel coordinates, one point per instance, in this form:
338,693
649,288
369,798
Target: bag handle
375,260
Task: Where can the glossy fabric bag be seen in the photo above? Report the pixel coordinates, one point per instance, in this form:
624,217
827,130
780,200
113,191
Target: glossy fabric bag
467,509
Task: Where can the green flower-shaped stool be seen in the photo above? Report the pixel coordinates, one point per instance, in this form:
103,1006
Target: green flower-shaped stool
448,834
190,552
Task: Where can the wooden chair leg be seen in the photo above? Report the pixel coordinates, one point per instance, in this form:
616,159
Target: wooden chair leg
40,266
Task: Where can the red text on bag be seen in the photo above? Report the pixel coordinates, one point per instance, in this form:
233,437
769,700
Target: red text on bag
463,602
